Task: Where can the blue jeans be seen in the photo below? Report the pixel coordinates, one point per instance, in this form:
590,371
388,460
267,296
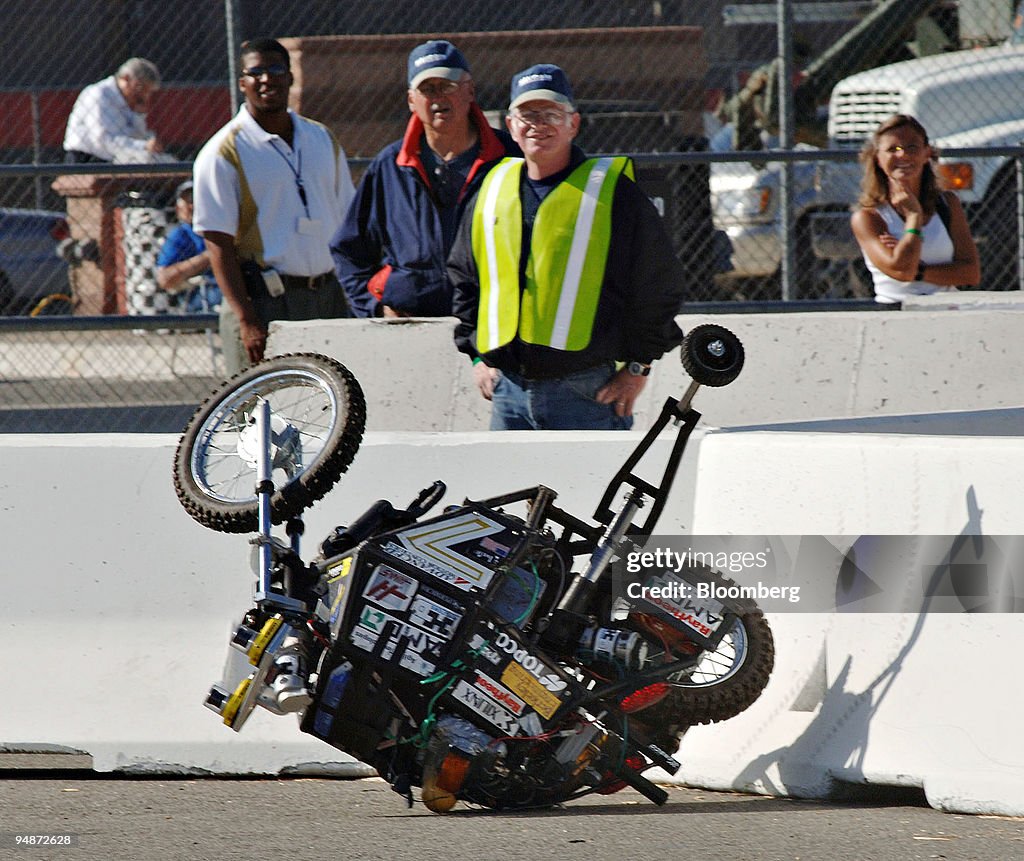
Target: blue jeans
205,298
562,403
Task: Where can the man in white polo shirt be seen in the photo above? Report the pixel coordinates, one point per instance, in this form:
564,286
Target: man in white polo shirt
271,188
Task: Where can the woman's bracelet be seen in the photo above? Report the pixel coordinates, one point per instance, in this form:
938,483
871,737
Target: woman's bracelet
913,230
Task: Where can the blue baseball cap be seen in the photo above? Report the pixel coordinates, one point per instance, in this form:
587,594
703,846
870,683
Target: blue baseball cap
543,81
436,59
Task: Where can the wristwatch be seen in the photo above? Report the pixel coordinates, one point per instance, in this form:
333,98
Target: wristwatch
638,369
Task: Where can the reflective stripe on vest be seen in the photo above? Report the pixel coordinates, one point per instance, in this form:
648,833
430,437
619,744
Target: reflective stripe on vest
565,268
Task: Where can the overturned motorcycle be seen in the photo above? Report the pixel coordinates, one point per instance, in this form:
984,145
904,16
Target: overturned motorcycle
480,654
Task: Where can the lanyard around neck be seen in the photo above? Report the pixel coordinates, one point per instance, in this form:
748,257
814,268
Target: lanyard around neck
296,172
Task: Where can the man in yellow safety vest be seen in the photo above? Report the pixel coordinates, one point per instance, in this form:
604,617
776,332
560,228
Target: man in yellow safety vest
565,283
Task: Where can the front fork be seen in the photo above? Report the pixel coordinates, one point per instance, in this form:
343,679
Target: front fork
273,636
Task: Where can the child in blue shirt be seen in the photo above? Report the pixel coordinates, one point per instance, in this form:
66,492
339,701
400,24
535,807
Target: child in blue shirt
183,260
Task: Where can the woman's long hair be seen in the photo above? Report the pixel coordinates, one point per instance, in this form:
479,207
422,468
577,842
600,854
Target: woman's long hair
874,184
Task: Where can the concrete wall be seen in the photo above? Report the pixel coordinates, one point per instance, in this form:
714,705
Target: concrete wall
118,607
913,699
799,366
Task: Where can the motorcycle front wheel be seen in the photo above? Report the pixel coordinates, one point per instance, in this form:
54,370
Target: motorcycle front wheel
318,414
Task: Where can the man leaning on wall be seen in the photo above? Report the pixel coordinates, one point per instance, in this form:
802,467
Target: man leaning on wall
108,121
565,283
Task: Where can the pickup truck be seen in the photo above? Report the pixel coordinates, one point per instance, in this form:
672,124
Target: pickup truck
964,99
972,98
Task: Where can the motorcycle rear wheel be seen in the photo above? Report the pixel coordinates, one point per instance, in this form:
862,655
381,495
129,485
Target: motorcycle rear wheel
318,414
726,681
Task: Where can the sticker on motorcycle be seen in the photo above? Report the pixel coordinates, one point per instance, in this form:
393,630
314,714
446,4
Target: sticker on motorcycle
540,671
410,660
373,624
427,567
477,701
449,541
439,597
364,638
480,646
390,588
338,603
367,639
704,616
339,570
434,618
521,682
373,619
499,693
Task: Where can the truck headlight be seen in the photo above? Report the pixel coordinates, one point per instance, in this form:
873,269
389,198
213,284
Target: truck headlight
742,203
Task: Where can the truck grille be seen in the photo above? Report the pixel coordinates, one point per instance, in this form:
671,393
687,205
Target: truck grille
854,116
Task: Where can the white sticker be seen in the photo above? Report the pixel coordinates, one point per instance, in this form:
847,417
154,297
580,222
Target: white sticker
390,588
480,647
484,706
499,693
416,663
364,638
704,616
372,624
425,565
440,541
434,618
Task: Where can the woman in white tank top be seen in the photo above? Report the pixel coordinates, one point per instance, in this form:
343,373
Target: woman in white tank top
906,246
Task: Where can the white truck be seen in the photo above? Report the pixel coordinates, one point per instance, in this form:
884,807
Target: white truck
968,98
964,99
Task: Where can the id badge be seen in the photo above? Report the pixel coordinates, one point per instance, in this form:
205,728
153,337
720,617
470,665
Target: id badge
308,226
272,280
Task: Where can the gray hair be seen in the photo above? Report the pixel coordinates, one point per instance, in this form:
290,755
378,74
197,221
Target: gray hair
141,70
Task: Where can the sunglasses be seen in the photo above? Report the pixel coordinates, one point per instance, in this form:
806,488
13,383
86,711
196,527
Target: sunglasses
274,70
441,88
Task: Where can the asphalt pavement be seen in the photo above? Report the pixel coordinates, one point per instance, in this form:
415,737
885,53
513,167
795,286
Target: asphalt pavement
184,819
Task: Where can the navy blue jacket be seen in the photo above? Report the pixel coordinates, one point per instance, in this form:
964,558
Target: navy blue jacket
390,250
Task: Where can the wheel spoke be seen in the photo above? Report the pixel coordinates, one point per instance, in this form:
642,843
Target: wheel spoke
301,399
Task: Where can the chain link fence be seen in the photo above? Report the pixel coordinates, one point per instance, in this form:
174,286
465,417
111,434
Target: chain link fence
691,89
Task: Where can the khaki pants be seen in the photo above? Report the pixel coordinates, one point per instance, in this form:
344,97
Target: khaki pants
328,302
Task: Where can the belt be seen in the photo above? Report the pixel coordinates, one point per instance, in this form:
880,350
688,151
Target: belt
307,282
523,381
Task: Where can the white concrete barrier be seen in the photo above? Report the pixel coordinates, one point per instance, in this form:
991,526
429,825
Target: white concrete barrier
799,366
927,700
117,606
